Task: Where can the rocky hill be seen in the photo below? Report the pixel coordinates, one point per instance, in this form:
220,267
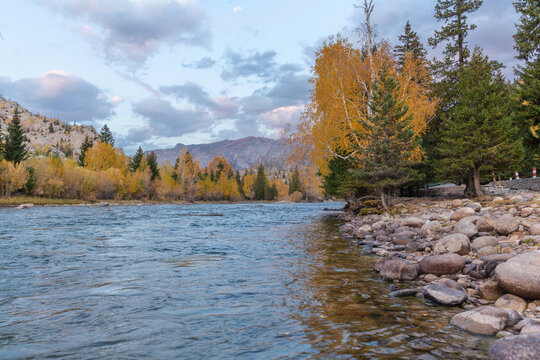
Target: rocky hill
45,135
242,153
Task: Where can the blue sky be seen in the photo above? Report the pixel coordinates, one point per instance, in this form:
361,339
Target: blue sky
159,72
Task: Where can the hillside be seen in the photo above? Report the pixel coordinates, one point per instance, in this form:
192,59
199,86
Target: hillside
242,153
45,135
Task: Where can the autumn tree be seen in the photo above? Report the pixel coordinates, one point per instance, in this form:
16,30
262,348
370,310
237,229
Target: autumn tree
87,144
186,172
294,182
136,160
14,148
393,147
527,44
105,135
479,133
103,156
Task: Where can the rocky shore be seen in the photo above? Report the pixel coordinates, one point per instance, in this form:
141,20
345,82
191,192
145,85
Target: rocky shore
483,256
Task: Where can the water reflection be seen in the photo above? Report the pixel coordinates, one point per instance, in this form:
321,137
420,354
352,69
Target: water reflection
348,313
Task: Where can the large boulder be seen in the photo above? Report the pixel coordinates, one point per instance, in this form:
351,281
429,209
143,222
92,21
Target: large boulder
461,213
485,320
453,243
431,227
485,224
518,347
484,241
442,264
490,290
398,269
506,224
511,302
444,295
520,275
466,228
413,222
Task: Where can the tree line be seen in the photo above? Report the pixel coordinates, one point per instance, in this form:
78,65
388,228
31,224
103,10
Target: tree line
103,171
382,118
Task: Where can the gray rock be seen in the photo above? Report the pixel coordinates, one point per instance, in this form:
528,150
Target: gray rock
485,224
534,229
527,211
506,224
461,213
449,283
483,241
398,269
487,250
490,290
444,295
404,292
453,243
518,347
25,206
442,264
475,206
466,228
102,204
531,328
520,275
431,228
413,222
511,302
484,320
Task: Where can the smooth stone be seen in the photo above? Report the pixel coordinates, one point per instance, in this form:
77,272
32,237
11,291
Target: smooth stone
412,221
431,227
527,211
511,302
102,204
449,283
531,328
534,229
398,269
442,264
487,250
484,241
475,206
490,290
25,206
485,224
430,277
466,228
518,347
520,275
461,213
403,292
453,243
506,224
444,295
484,320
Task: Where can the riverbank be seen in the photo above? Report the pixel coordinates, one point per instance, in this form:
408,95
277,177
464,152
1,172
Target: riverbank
483,256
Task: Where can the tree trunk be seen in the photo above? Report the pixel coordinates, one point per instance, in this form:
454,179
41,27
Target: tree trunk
469,185
478,191
383,200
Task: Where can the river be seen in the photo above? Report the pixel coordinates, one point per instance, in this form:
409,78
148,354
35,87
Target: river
231,281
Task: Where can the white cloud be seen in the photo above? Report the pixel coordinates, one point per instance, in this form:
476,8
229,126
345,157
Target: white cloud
237,9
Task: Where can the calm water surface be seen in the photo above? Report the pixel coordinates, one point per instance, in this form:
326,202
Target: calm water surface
270,281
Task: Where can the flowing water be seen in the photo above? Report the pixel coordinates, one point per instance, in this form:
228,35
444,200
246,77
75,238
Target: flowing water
244,281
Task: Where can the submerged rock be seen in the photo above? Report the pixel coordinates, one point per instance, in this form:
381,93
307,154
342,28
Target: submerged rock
485,320
518,347
404,292
398,269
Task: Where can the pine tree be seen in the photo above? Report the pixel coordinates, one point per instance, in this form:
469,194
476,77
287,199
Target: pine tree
151,160
389,155
527,43
240,184
261,183
105,135
295,184
136,160
410,44
479,134
87,144
14,148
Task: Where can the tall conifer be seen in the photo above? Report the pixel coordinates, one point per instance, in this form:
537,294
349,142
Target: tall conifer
14,148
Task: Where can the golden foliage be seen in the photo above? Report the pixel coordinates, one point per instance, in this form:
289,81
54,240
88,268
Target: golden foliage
103,156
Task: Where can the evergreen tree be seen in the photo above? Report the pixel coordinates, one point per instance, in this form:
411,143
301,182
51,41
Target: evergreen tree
14,148
151,160
410,44
136,160
479,134
31,181
527,43
261,183
105,135
87,144
51,128
388,158
240,184
271,192
295,184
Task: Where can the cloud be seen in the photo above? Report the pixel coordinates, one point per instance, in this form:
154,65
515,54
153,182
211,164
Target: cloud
204,63
139,83
237,9
60,94
165,120
258,64
132,30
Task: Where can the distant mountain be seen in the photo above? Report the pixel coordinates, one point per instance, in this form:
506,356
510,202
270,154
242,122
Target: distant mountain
241,154
45,134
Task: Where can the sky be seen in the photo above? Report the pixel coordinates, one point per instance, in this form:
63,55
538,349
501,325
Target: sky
162,72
